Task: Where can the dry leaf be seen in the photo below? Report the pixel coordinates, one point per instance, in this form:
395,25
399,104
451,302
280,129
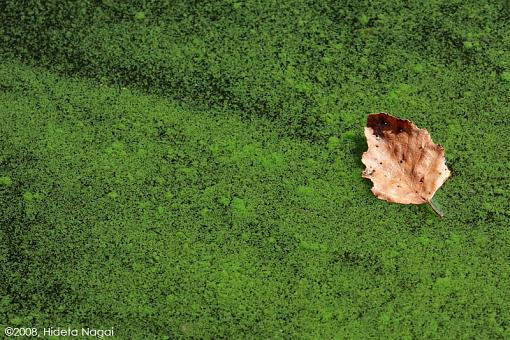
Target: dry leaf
403,163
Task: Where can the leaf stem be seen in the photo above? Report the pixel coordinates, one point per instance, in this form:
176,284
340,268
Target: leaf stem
436,209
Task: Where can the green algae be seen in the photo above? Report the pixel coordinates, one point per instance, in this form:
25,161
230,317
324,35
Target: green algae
193,169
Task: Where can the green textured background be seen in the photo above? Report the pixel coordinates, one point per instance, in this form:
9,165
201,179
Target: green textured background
192,169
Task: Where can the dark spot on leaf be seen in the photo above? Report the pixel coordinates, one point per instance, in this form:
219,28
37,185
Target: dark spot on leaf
378,126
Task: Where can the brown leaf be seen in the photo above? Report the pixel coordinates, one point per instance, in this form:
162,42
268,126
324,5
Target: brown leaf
403,163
